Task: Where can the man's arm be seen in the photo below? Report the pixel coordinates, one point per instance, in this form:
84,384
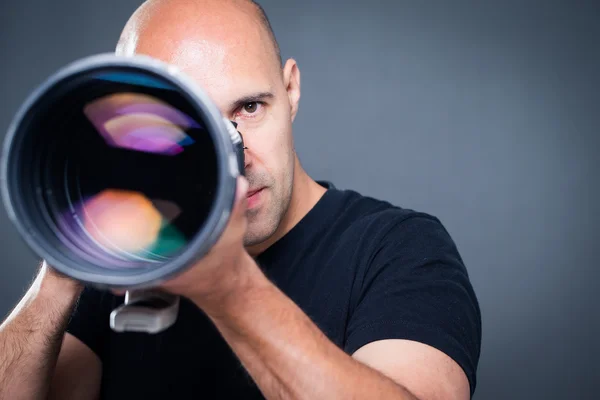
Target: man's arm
290,358
77,373
31,339
430,373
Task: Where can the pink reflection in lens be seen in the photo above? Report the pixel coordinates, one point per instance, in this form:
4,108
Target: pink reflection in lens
140,122
122,221
146,132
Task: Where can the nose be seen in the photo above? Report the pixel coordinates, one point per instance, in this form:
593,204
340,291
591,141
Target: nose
244,148
247,158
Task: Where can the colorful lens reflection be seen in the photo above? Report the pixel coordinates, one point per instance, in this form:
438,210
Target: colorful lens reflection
138,186
130,225
140,122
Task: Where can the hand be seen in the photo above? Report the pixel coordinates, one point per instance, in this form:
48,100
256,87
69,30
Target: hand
50,277
56,290
221,269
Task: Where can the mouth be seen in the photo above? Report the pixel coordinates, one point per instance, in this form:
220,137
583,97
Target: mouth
253,198
252,192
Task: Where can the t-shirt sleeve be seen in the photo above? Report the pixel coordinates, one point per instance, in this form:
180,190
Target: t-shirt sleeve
90,321
417,288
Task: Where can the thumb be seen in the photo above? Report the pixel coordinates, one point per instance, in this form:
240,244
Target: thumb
240,196
237,218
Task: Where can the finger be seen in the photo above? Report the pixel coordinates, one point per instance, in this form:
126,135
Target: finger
239,207
236,225
242,188
237,218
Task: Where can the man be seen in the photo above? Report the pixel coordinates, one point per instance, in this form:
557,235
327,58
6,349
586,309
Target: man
311,293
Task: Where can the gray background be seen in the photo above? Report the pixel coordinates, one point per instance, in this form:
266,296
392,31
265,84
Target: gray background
485,114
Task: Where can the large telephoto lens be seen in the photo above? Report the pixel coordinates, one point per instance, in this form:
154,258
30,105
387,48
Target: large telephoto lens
119,171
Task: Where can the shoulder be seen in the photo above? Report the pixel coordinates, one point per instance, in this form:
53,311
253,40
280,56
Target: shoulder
381,236
410,283
388,224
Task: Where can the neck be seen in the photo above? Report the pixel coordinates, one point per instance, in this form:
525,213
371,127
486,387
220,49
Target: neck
306,192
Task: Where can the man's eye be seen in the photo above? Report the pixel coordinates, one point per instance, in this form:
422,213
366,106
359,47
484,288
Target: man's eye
250,107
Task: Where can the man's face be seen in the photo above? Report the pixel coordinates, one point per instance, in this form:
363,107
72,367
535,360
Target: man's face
233,60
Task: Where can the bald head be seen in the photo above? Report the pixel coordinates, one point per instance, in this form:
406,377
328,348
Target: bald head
267,25
153,15
228,48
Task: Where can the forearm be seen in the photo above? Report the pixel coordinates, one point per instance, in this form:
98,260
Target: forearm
31,337
288,356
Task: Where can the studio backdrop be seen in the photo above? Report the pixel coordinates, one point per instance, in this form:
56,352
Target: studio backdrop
484,114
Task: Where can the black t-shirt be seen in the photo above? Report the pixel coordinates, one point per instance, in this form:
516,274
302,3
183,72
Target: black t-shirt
360,268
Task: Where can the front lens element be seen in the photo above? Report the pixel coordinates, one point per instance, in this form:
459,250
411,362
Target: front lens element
126,169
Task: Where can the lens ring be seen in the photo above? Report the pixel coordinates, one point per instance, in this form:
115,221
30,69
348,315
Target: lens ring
65,260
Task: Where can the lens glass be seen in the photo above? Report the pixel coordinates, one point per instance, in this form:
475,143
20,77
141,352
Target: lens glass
128,169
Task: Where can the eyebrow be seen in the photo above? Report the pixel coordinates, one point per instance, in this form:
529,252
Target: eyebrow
251,99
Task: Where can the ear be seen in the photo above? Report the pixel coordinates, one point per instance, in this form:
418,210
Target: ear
291,80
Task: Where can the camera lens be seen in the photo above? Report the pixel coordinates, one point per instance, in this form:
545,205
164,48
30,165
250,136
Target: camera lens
115,171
